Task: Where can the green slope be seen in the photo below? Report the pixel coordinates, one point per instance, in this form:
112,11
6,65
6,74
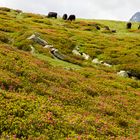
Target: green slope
50,99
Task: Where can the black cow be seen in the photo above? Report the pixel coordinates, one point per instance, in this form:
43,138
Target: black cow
138,27
113,31
52,14
107,28
128,25
65,16
72,17
97,27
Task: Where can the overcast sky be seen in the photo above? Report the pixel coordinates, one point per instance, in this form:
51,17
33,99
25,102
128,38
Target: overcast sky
90,9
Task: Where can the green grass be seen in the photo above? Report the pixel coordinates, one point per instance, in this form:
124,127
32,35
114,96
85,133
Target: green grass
49,99
56,62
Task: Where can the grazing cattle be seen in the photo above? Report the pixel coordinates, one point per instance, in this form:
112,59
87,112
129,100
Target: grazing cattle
113,31
72,17
138,27
128,25
52,14
65,16
106,28
97,27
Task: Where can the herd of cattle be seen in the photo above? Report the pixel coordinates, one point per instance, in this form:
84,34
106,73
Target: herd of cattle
73,17
65,16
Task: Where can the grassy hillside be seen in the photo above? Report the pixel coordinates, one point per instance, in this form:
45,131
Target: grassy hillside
42,98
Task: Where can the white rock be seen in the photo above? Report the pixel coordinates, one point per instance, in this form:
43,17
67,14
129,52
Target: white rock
85,56
123,73
48,46
106,64
75,52
54,50
96,61
31,37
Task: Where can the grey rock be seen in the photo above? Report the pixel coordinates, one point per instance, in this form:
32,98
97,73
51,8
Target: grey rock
38,40
48,46
85,56
57,54
123,73
76,52
96,61
106,64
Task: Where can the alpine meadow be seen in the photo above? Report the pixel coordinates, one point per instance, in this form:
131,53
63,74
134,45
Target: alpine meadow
68,80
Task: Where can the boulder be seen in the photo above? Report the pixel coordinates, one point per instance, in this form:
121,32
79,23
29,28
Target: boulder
76,52
106,64
85,56
38,40
48,46
57,54
96,61
123,73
